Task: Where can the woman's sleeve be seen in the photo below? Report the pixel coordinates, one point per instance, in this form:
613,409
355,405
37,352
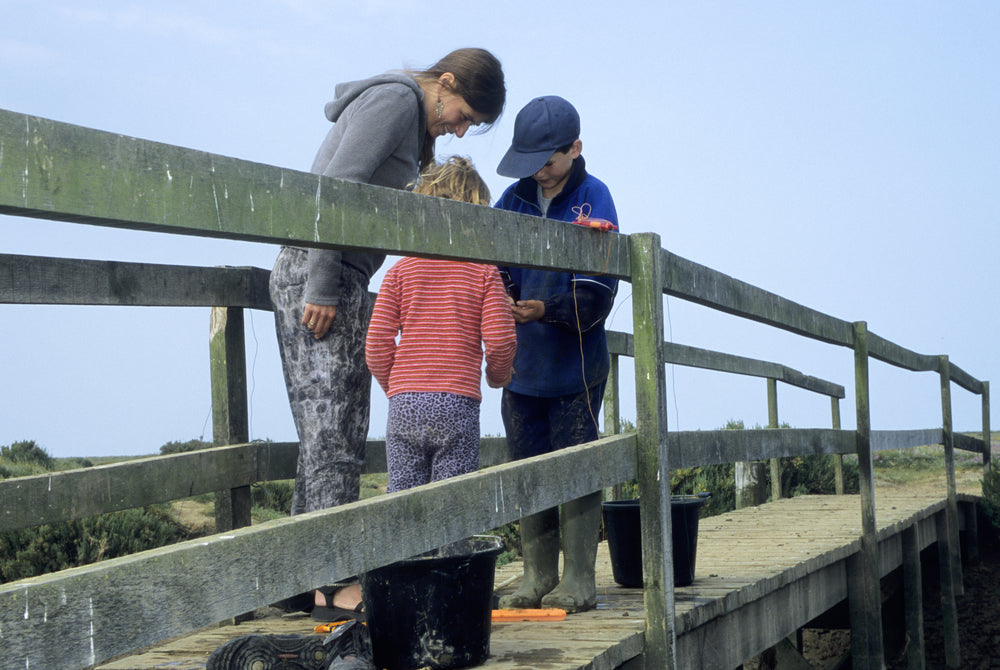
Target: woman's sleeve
375,124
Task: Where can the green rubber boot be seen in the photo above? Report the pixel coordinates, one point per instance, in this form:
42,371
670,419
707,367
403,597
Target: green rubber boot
540,547
581,531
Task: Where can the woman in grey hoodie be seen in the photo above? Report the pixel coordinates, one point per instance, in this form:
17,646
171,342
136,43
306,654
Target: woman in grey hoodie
383,133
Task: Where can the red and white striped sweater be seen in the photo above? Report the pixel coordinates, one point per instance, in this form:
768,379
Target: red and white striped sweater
446,314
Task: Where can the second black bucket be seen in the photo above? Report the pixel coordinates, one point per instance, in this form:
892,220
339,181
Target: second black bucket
433,610
622,528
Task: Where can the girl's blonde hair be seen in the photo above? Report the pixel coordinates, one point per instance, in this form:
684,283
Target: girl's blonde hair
456,179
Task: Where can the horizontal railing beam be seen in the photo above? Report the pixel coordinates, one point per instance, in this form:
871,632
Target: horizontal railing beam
78,494
680,354
63,172
50,621
702,285
38,280
692,448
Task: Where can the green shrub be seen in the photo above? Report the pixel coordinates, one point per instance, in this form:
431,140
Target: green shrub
275,496
27,452
803,475
178,447
991,493
716,479
28,552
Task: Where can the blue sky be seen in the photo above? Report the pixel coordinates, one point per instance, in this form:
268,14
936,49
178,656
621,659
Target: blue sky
844,155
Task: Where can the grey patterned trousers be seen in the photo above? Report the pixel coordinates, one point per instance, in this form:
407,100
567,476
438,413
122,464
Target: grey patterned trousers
328,384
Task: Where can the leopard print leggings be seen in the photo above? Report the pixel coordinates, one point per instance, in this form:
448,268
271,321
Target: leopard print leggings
430,437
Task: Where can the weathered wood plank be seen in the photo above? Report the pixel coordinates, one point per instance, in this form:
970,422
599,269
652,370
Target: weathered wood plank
886,440
38,280
63,172
694,447
704,286
680,354
77,494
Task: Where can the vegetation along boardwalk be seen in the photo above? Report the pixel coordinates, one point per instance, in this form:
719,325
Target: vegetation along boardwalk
761,574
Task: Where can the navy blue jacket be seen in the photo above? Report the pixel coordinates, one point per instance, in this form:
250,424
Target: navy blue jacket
547,363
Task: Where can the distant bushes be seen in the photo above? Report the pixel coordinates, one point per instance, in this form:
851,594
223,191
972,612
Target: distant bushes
178,447
27,452
991,493
28,552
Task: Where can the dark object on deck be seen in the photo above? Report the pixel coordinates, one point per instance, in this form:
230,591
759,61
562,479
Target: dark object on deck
434,609
622,527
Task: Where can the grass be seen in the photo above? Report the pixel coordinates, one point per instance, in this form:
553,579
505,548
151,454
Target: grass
904,466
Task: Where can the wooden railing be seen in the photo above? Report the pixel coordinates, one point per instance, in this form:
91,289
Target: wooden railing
82,616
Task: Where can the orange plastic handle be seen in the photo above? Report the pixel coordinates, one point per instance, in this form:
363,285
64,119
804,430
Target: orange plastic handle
529,615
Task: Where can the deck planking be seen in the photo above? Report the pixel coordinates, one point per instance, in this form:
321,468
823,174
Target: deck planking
760,573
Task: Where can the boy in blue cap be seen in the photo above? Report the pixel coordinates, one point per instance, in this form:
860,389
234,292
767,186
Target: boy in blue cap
562,360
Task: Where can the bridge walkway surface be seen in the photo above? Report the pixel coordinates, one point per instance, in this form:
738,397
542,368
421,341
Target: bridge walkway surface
761,574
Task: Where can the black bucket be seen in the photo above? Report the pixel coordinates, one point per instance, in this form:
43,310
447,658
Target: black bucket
433,610
622,529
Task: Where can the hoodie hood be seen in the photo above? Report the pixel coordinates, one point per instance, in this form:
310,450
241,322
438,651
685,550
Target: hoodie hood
346,92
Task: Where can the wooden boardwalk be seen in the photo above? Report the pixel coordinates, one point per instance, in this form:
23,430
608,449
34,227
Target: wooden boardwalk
761,573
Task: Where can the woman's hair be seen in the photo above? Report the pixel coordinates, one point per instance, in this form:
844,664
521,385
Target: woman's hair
456,179
478,79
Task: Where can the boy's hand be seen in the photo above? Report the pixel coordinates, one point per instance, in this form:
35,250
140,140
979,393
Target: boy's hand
525,311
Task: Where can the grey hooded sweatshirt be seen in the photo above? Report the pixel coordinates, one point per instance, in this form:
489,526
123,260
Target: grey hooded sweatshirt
379,129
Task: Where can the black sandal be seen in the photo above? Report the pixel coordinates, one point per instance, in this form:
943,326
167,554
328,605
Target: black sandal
328,612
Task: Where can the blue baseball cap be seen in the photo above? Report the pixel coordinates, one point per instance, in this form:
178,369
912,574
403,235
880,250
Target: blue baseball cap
542,126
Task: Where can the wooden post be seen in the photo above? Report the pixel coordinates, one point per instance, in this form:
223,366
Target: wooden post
230,423
838,459
987,436
913,598
864,590
949,609
612,416
772,422
652,462
951,504
948,546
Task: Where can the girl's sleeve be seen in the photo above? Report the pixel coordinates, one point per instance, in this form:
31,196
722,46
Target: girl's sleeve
497,327
380,344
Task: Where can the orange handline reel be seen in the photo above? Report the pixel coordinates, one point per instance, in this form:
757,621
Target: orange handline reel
583,219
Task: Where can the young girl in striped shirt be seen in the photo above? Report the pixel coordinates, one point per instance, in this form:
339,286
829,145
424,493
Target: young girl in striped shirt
446,314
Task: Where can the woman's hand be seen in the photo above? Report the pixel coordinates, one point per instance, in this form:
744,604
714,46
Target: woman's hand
318,318
525,311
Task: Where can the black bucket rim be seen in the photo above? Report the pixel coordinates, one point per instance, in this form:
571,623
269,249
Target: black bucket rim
699,499
435,554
